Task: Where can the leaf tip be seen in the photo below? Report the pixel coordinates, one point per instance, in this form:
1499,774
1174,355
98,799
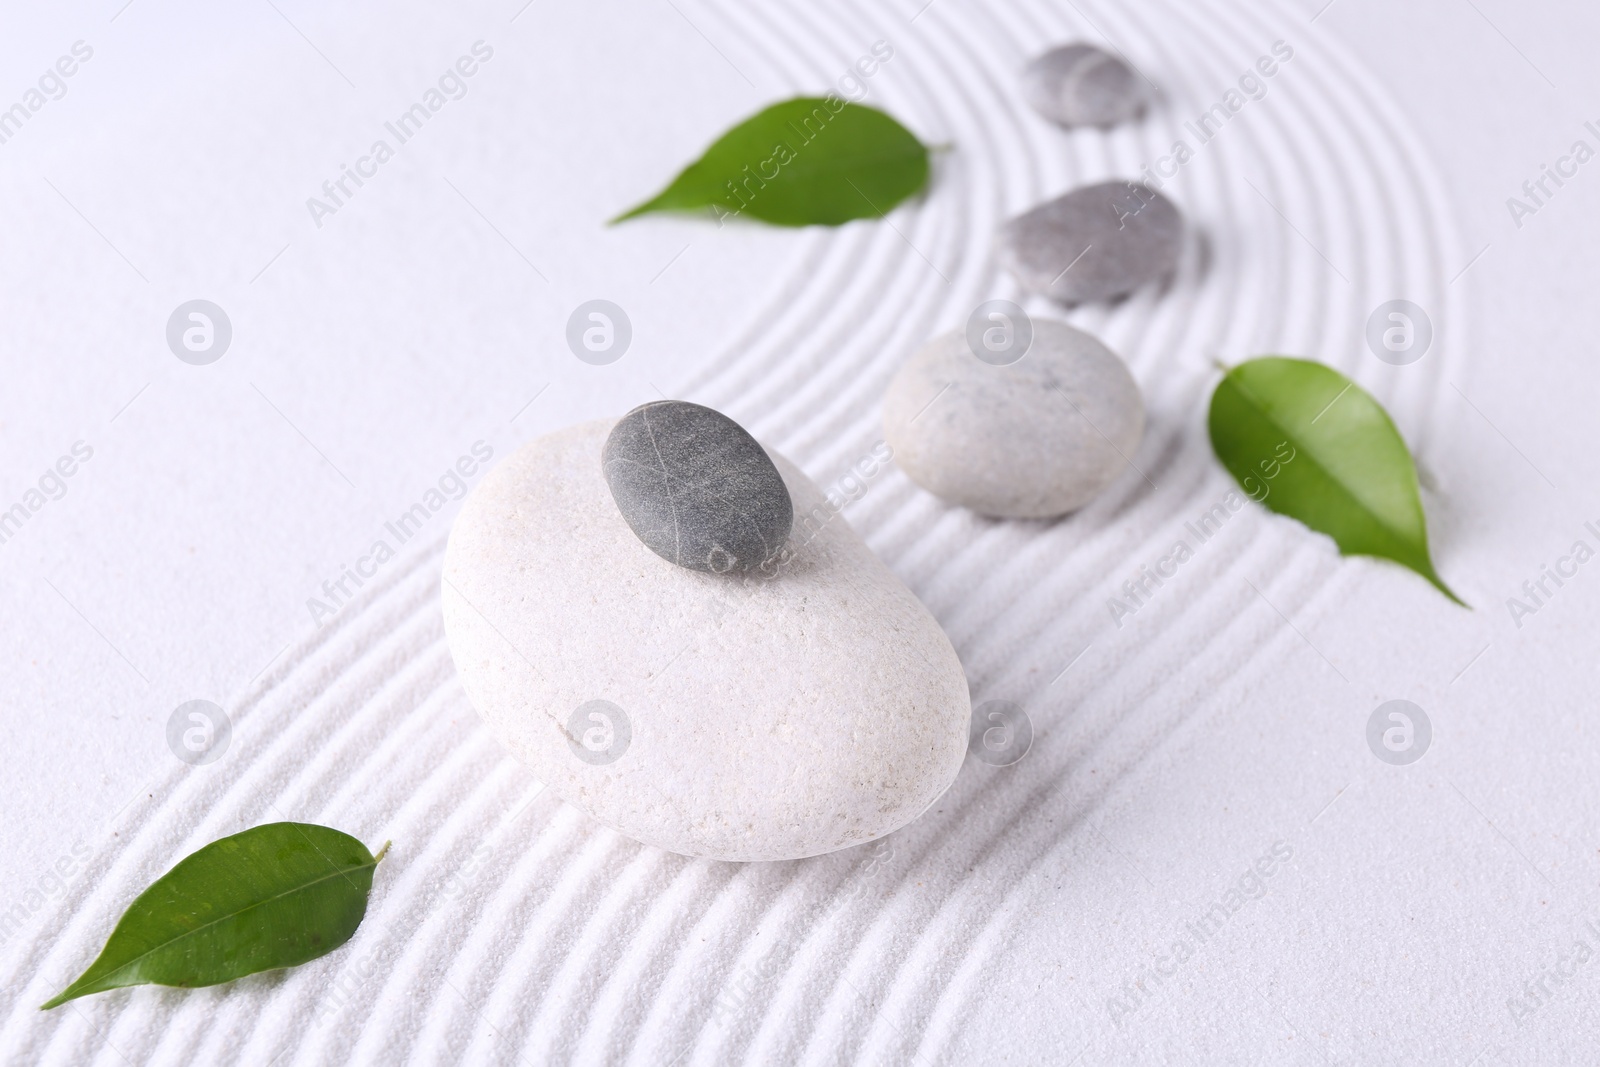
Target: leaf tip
59,999
1438,583
636,210
1424,567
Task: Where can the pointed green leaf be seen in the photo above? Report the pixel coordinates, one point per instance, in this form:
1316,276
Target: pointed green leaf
808,161
272,896
1311,444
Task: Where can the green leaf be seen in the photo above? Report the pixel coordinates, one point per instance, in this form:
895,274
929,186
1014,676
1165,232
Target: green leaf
808,161
272,896
1310,443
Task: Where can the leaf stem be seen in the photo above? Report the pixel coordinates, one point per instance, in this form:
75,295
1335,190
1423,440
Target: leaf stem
382,852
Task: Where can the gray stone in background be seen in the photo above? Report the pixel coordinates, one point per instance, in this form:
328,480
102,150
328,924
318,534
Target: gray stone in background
1095,243
1027,440
696,488
1079,85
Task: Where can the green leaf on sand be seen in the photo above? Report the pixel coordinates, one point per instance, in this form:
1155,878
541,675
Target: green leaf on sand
272,896
808,161
1311,444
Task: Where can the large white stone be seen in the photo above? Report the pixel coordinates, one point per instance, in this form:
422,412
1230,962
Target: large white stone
1032,439
773,716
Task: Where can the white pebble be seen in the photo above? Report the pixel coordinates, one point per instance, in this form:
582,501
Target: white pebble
1031,439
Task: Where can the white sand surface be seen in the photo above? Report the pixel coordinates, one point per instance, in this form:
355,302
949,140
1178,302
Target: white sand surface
1179,751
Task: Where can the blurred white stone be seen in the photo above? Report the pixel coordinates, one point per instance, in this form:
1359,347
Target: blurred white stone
1032,439
777,715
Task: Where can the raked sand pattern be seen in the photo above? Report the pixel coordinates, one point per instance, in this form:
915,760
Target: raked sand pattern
507,928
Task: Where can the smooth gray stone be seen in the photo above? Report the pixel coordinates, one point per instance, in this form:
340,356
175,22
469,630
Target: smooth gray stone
1079,85
696,488
1095,243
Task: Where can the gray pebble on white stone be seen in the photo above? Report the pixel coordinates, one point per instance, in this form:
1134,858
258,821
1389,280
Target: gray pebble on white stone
1098,242
1032,439
1080,85
783,713
696,487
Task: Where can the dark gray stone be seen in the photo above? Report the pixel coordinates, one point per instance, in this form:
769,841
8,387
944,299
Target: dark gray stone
696,488
1095,243
1079,85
